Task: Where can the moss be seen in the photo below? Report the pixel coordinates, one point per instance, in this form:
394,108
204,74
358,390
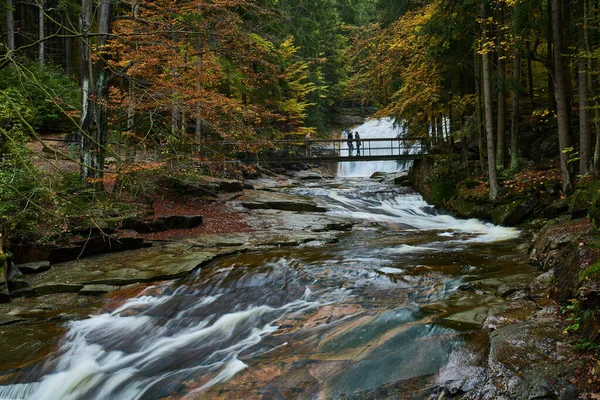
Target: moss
442,191
592,272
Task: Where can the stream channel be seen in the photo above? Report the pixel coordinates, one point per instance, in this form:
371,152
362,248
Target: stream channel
370,315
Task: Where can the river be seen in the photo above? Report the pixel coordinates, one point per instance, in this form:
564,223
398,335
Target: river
369,316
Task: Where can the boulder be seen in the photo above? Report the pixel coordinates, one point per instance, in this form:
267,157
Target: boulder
16,280
579,203
553,238
308,175
96,290
378,176
207,186
468,209
555,209
279,201
34,267
514,212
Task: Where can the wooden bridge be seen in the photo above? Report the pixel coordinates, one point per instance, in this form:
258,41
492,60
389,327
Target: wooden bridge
336,150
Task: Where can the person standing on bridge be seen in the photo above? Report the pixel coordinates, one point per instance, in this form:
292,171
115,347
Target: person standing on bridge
350,145
358,142
307,145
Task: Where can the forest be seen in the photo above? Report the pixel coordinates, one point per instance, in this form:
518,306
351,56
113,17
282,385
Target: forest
135,90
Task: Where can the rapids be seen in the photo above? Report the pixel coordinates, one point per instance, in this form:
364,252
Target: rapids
308,322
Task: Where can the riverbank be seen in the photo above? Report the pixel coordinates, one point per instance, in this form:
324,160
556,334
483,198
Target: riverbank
564,238
509,314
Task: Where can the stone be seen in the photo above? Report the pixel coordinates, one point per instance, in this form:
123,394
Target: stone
15,279
468,209
279,201
34,267
474,316
10,319
48,287
578,204
207,186
556,209
378,176
95,290
514,212
160,262
308,175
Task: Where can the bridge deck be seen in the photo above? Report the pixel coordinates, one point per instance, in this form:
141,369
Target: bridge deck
326,150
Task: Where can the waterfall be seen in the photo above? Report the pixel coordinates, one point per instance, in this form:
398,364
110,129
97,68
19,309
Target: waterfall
373,129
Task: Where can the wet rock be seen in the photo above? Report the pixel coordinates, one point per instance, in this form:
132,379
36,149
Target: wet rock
556,209
553,238
16,280
475,316
207,186
578,204
508,313
378,176
167,261
10,319
467,209
499,286
34,267
267,183
96,290
309,175
514,212
279,201
527,360
49,287
543,282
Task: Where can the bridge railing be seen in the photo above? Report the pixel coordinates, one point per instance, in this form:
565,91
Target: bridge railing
280,151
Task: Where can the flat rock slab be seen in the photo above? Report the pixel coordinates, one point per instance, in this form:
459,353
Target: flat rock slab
256,200
34,267
301,222
503,286
159,262
95,290
475,316
10,319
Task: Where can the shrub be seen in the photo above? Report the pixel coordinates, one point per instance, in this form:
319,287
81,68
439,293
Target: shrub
51,95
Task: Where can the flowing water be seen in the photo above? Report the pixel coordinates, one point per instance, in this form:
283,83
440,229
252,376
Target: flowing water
350,319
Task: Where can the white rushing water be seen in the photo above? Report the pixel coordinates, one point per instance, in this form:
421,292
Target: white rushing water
411,212
151,345
373,129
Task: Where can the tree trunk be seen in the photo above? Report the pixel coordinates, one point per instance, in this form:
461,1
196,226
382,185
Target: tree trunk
10,24
68,55
94,122
584,121
549,51
561,94
489,123
514,120
596,106
198,126
530,77
500,135
479,112
42,33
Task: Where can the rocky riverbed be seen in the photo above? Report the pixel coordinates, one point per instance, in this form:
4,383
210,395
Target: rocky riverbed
515,347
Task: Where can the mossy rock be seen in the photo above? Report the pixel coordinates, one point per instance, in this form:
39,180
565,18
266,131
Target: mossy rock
579,203
442,192
469,209
514,212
